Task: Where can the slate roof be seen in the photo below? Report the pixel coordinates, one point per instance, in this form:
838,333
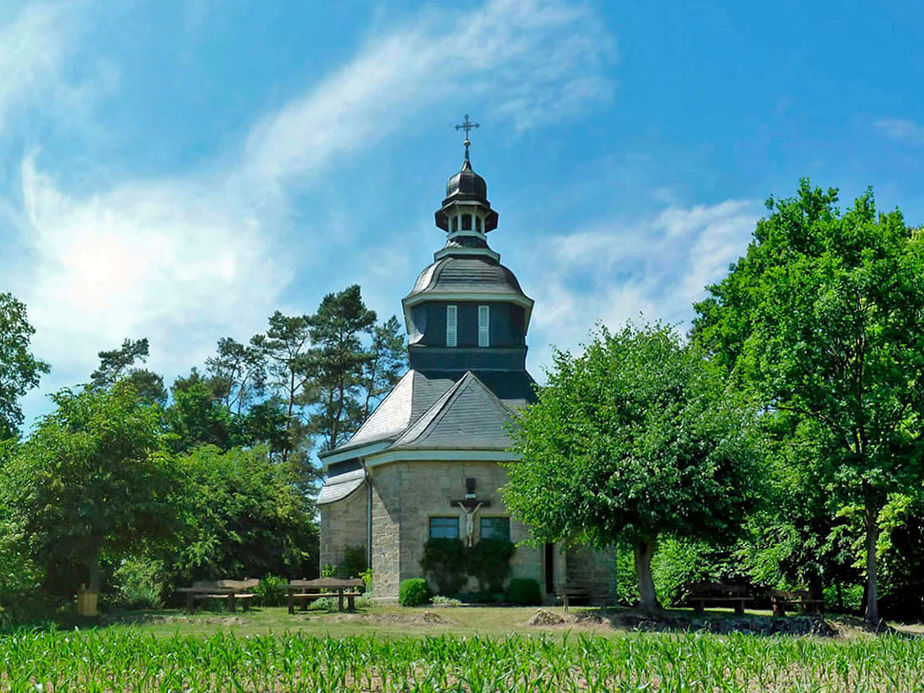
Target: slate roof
477,274
446,410
339,486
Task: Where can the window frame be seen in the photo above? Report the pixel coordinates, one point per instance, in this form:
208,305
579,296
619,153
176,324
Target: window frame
481,521
452,325
457,520
484,326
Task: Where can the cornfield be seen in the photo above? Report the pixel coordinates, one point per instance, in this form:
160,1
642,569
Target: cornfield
120,659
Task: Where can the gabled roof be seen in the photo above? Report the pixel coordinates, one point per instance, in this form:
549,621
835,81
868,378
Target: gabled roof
468,410
467,416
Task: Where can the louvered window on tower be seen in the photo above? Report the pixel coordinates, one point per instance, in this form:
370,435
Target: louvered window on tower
452,321
484,326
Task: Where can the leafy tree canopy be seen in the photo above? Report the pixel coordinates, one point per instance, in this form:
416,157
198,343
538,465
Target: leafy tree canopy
117,365
88,485
823,318
19,369
637,437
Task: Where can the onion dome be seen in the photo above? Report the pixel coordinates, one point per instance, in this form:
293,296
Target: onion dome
466,193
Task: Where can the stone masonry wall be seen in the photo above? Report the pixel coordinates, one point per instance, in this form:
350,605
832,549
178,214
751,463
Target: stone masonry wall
407,494
343,524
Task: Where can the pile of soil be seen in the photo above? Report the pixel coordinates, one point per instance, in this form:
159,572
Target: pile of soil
545,618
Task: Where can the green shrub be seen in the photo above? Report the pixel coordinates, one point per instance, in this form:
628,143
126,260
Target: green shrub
325,604
444,562
413,592
489,562
271,591
139,583
524,591
353,563
440,600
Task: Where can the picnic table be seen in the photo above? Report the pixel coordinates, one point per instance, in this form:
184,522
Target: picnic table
231,591
781,599
305,591
718,593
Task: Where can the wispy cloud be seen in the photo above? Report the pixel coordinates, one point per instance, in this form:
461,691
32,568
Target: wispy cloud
902,130
656,266
528,61
187,258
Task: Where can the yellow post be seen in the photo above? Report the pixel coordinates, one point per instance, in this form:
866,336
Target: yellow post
86,602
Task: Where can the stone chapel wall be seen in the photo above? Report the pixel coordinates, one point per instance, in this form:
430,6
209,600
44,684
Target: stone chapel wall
343,524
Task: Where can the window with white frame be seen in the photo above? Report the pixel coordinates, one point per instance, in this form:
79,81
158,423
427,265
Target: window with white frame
452,325
484,326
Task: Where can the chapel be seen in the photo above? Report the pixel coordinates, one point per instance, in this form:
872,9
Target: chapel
426,463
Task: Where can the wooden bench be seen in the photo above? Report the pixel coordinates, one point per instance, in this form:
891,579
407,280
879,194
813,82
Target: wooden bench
306,591
781,600
578,594
231,591
717,593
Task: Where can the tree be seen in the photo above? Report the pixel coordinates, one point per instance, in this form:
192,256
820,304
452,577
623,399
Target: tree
238,373
387,362
635,438
338,364
116,365
88,485
243,514
285,346
823,318
20,371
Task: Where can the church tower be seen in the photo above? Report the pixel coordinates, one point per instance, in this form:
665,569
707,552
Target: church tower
428,462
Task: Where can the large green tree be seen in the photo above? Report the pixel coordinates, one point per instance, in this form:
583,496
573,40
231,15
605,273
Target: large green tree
19,369
244,514
824,319
635,438
89,486
339,362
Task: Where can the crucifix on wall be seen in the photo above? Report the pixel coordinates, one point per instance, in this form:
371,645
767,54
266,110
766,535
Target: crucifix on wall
470,505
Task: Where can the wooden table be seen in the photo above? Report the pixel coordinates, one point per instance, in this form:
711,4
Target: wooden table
231,591
306,591
718,593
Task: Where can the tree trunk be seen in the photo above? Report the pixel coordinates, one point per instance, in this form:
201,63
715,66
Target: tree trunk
872,534
647,598
93,570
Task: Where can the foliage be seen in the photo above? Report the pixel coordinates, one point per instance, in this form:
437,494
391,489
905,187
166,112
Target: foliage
116,365
329,570
682,562
243,514
237,374
271,591
444,562
413,592
139,583
89,485
442,600
338,362
19,369
387,361
524,591
489,562
353,563
129,659
822,319
366,577
637,437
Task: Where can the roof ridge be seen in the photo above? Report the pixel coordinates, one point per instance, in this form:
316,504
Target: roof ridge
436,407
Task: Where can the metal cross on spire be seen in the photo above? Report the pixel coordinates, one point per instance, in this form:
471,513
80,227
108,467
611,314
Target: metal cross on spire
467,125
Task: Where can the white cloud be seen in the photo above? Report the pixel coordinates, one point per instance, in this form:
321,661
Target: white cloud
901,130
611,273
165,259
528,61
185,259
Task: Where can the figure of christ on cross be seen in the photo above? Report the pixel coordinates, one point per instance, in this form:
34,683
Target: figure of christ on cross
470,508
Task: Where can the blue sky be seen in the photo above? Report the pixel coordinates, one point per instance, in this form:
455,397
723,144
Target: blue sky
178,171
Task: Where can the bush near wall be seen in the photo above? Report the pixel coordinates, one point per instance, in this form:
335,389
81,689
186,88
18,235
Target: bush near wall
413,592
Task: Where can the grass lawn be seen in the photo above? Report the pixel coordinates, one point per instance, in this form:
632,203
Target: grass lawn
447,649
